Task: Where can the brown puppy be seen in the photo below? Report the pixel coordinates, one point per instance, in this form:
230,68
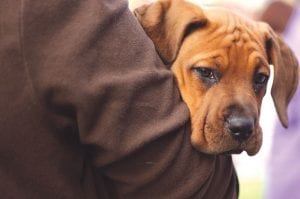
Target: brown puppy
221,62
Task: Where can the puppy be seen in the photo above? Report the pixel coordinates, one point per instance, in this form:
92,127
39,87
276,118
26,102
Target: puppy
221,63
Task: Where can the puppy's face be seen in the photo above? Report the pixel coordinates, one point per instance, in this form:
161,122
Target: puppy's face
221,63
222,71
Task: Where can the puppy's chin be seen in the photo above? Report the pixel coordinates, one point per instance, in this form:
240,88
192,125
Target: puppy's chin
251,147
235,150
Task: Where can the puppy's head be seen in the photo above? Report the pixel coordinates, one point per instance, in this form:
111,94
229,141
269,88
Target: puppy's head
221,63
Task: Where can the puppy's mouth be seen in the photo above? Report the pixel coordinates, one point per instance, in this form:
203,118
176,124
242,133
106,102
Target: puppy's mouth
237,147
223,143
251,146
234,151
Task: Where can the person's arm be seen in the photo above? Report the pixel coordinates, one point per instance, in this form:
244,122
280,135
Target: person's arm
107,99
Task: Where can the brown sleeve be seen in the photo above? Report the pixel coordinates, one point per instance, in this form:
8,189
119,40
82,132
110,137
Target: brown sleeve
91,111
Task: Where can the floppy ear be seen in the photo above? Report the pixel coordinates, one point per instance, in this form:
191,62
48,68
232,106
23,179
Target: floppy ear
167,22
285,74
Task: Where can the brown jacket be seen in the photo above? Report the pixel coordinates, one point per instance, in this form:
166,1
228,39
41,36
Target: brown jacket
88,110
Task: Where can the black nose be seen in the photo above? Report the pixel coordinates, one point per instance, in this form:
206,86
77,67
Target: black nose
241,127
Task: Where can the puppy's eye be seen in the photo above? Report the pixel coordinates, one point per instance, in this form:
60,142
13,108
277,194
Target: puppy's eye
206,72
208,75
261,78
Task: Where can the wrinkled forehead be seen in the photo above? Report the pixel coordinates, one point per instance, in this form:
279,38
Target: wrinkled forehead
236,28
228,35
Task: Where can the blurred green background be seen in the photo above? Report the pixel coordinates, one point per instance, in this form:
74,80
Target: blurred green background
251,189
